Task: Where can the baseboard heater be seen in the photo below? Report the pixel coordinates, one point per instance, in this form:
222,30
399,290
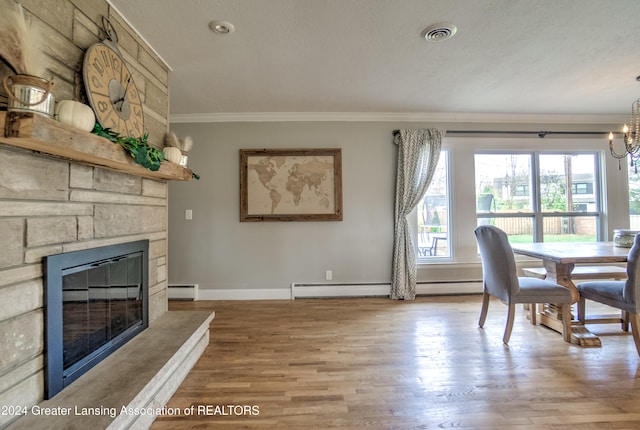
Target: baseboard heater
183,292
373,289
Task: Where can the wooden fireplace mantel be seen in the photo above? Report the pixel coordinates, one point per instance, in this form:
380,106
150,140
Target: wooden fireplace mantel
40,133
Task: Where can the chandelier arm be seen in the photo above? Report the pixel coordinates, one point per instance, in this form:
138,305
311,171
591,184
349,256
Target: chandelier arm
631,137
615,154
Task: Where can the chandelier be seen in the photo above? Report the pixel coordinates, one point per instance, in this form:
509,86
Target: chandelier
631,138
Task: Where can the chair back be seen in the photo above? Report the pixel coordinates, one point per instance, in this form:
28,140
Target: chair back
632,286
498,263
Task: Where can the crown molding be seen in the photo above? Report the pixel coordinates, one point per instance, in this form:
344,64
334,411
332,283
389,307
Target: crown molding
395,117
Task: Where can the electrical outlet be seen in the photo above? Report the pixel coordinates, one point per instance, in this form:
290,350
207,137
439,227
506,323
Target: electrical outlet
329,275
188,214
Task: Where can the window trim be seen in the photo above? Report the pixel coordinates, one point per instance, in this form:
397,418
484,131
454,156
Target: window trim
537,214
413,219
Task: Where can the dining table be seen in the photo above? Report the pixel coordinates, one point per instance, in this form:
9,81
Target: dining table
559,260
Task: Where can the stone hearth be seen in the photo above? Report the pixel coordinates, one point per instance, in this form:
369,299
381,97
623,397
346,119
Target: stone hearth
142,375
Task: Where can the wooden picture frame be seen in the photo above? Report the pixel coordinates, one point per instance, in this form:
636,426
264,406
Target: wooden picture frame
291,184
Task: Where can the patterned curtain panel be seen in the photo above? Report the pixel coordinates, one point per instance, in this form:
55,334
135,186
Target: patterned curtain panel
418,153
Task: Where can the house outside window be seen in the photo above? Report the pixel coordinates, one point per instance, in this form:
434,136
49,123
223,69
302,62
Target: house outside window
521,190
582,188
539,197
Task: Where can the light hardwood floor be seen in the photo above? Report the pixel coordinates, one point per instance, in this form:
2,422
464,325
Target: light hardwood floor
374,363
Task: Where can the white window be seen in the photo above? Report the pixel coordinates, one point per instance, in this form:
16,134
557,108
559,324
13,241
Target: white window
634,200
539,197
433,218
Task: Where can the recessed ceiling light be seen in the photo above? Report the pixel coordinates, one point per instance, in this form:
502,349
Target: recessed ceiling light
221,27
439,32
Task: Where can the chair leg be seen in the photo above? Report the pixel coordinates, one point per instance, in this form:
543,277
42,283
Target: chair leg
581,310
566,322
510,317
635,321
625,321
485,307
533,313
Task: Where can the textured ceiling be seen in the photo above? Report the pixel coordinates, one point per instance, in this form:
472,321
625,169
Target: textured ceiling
569,57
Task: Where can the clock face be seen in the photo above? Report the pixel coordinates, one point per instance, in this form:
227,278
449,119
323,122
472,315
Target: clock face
111,91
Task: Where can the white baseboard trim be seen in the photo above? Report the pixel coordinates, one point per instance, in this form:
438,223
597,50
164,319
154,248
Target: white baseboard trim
315,290
299,291
183,292
383,290
245,294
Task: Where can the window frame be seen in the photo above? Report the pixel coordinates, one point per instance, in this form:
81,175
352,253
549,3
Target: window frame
413,218
464,261
537,214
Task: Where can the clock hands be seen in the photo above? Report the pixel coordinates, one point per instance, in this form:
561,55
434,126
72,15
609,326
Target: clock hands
121,99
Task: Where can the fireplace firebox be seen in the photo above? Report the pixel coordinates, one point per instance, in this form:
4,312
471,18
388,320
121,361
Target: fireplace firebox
96,300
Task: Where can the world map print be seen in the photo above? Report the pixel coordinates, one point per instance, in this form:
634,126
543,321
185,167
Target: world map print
290,184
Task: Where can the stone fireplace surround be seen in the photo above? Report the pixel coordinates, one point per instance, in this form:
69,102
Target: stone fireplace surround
50,206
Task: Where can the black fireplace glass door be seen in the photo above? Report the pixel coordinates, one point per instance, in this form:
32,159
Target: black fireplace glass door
96,300
126,294
118,303
100,303
75,314
134,291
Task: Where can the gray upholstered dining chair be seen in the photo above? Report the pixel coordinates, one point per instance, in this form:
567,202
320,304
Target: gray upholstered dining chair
500,280
623,295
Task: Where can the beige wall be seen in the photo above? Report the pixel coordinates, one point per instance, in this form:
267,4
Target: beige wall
50,206
217,251
239,260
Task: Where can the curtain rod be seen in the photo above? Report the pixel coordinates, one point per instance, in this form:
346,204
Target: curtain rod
541,134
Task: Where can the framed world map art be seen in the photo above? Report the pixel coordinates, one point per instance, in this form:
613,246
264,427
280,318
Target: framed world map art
291,184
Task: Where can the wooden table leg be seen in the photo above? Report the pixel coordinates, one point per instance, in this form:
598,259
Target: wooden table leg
583,337
551,315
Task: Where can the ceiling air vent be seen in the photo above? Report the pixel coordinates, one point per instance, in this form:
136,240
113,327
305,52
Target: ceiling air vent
439,32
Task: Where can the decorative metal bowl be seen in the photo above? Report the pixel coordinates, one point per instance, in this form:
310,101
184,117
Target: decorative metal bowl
28,93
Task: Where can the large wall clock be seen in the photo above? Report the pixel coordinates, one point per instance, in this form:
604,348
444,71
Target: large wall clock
111,91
